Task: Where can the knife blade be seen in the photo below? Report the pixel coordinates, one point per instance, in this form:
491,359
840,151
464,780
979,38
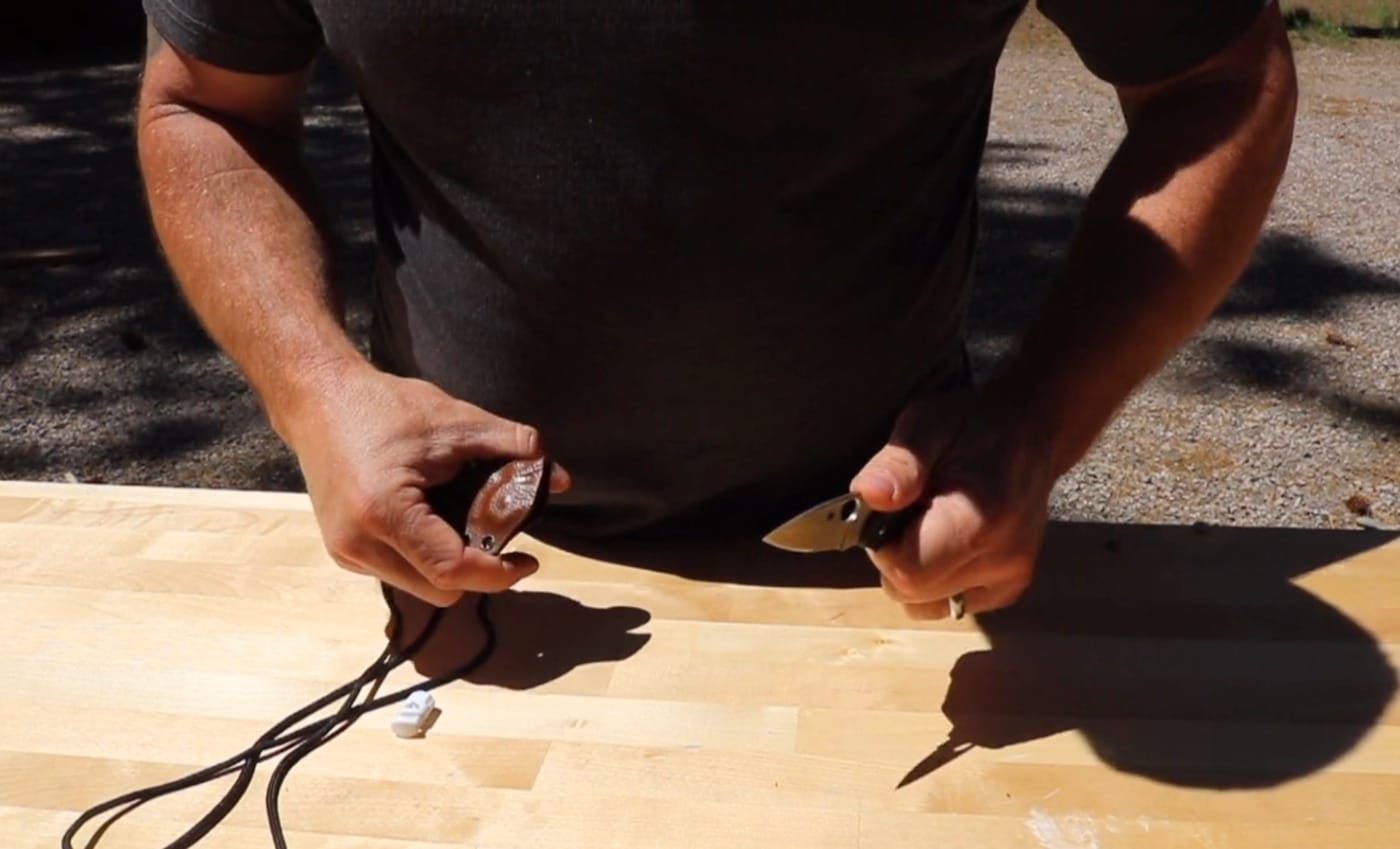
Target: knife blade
837,524
845,522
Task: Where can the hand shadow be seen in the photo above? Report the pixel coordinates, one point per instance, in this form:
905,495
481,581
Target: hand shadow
1183,655
540,636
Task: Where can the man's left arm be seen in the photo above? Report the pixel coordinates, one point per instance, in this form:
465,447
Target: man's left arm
1166,231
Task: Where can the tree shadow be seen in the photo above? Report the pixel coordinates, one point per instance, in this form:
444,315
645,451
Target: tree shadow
1301,18
109,376
107,373
1026,229
1186,655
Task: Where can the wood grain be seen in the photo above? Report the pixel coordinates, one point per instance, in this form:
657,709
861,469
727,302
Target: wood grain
1160,687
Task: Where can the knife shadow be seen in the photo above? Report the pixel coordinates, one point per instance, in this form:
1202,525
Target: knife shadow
1186,655
1181,654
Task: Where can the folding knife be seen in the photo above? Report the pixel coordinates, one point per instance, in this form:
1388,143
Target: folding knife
836,525
847,522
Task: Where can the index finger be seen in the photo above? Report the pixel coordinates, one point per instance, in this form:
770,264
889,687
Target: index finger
437,552
921,564
390,567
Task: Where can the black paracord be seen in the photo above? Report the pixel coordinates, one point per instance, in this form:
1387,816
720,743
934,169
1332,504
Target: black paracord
296,743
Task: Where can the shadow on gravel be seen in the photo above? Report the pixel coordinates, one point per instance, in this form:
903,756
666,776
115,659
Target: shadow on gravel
1025,230
1302,19
106,374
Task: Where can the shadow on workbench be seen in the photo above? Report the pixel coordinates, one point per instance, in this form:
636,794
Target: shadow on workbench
1184,655
540,636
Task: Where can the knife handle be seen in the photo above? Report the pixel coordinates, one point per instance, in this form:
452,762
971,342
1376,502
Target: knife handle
883,528
490,501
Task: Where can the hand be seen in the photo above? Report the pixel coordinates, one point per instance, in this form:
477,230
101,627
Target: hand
370,448
985,490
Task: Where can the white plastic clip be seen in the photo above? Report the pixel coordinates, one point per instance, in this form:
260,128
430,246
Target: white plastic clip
413,715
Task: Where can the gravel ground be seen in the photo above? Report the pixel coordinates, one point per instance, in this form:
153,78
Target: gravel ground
1283,408
1287,404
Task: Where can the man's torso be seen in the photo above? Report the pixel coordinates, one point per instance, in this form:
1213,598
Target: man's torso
708,249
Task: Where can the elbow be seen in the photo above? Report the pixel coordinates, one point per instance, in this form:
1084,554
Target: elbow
1276,104
1282,94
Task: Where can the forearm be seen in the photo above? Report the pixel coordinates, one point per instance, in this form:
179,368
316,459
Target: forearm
1165,233
231,207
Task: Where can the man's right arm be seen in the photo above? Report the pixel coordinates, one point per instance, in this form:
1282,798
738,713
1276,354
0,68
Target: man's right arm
231,202
232,205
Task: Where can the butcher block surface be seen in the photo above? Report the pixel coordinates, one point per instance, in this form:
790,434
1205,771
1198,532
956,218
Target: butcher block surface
1159,687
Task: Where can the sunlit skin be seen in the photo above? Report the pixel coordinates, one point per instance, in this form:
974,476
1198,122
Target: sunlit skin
1166,231
1168,228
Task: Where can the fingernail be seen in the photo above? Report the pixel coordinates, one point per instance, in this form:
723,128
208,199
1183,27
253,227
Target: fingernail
880,483
559,479
522,564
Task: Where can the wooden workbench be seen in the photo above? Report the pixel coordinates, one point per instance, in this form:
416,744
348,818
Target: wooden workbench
1162,687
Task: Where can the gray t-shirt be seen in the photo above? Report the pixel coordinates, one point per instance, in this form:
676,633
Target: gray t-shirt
708,248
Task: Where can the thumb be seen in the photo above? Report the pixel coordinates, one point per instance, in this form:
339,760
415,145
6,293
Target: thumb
898,474
893,479
478,433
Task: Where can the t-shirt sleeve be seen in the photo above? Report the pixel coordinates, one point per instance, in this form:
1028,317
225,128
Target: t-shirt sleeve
1143,41
252,36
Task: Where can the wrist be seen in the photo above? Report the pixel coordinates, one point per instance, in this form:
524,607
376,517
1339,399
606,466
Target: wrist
311,391
1056,420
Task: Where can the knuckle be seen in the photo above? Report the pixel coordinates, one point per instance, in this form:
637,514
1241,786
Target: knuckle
409,519
1020,579
925,612
527,439
967,523
919,585
1016,587
442,580
491,574
912,574
1007,585
891,592
901,463
469,576
441,573
482,433
347,545
348,565
906,585
367,511
1011,572
972,509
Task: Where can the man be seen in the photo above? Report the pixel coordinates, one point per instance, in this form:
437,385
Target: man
711,256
